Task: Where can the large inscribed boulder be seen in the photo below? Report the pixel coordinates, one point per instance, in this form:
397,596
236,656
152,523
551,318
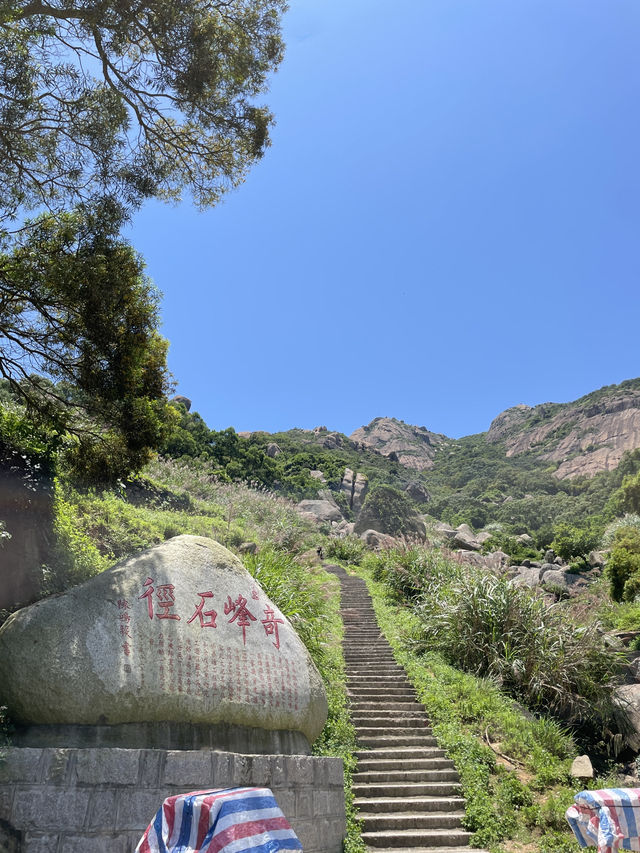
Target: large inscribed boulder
178,636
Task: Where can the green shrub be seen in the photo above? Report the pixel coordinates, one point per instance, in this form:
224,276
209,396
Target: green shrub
572,542
494,629
350,550
628,520
623,565
389,511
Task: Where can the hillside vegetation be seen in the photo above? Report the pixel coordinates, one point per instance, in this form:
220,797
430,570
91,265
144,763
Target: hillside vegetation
516,685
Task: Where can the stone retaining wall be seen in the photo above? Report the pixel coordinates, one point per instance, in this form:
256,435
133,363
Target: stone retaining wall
102,800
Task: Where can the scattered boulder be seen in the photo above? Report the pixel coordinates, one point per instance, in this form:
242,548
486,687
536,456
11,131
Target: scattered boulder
248,548
559,561
317,430
472,557
360,488
524,539
333,441
322,511
418,492
318,475
483,536
444,530
565,581
179,634
582,768
342,529
527,576
347,483
627,701
273,450
465,538
327,495
597,559
549,555
375,539
497,560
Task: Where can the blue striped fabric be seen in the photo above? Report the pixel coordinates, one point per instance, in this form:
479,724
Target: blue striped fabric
608,819
229,820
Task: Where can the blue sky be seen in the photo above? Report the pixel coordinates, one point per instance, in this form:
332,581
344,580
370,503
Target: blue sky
445,225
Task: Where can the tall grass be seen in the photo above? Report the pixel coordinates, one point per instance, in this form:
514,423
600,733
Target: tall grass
494,629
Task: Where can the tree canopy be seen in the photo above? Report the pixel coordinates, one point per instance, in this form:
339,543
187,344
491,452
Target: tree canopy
131,100
76,307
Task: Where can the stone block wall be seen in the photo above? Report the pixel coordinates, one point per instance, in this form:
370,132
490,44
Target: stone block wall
102,800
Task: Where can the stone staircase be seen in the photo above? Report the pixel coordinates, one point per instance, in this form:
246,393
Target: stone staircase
407,791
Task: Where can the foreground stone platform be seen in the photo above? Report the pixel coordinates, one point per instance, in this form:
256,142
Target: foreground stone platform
102,800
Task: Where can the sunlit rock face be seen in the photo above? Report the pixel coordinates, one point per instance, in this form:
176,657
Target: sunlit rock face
178,635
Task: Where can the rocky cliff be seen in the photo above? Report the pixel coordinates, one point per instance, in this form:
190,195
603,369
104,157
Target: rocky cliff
584,437
413,446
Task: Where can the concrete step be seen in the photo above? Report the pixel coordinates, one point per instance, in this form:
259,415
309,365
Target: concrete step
373,670
397,740
390,731
400,776
399,753
410,804
404,838
400,790
396,721
383,714
366,764
411,820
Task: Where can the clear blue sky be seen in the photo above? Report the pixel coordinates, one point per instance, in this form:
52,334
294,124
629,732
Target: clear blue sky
445,225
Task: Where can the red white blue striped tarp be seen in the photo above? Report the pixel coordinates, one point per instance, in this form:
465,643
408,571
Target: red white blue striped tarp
231,820
608,819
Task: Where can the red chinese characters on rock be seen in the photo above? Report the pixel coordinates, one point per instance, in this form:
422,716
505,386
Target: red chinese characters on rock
240,612
199,614
165,600
271,625
162,607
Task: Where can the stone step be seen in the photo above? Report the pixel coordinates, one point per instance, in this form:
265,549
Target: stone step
386,674
383,714
356,684
381,694
372,669
410,820
397,740
399,776
397,721
404,838
431,763
410,804
420,752
390,731
406,705
431,850
389,681
400,790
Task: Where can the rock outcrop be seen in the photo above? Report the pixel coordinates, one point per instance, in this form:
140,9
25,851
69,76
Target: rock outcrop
180,634
584,437
414,447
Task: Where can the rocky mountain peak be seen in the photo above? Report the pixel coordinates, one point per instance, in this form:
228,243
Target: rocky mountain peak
413,446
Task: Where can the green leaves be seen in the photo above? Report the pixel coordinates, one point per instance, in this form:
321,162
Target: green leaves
132,101
76,306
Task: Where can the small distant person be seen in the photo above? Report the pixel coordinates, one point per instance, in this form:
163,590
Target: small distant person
320,552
